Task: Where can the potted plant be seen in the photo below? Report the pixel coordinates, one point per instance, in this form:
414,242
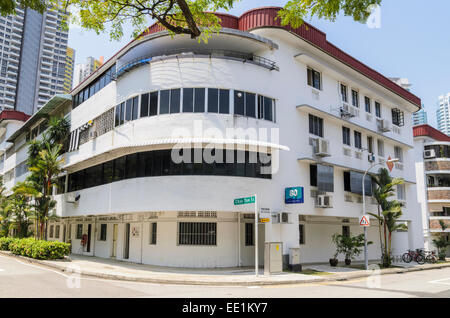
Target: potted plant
334,261
350,246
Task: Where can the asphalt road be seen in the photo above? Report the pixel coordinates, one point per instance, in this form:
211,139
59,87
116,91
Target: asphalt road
20,279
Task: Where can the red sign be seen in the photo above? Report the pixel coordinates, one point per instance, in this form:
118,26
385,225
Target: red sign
364,221
390,164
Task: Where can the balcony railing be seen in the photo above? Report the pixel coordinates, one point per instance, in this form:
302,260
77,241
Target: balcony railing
185,53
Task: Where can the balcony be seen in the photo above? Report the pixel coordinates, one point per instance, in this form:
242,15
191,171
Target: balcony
438,194
200,53
437,166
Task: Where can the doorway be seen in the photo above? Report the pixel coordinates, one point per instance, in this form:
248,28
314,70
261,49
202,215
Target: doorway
88,245
126,251
114,242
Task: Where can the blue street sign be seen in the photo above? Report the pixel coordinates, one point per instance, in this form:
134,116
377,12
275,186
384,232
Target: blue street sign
293,195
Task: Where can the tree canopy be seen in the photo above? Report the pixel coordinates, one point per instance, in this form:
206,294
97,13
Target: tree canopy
189,17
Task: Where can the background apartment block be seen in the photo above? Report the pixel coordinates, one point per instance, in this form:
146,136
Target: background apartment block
70,62
32,58
443,114
83,70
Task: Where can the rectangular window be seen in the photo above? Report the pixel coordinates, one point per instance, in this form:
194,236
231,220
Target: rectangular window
398,117
239,103
224,101
344,95
368,105
401,192
50,234
301,231
79,231
164,101
135,113
153,104
377,109
144,105
315,125
380,146
250,105
129,109
346,136
358,140
314,78
188,100
355,98
213,100
119,168
122,114
346,231
57,228
103,229
117,116
153,233
199,100
197,233
175,100
398,153
370,144
313,175
249,234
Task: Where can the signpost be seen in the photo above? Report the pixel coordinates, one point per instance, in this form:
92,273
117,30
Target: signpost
293,195
364,220
252,200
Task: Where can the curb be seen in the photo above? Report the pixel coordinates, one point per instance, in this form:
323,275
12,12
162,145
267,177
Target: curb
334,278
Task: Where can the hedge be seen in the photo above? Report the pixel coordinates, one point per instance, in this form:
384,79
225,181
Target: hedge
4,243
38,249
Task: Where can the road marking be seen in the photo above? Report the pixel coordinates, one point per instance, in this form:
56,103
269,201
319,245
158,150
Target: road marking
440,281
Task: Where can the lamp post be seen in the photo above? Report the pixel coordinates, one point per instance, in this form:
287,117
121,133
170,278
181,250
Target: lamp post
366,254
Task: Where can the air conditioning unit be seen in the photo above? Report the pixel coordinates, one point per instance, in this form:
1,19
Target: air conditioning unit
345,113
280,218
72,197
323,201
371,157
385,125
354,112
322,147
427,154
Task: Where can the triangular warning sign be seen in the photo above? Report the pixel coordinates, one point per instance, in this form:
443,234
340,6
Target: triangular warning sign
364,221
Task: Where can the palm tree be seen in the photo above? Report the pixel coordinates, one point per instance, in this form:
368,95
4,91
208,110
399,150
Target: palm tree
44,172
389,211
58,130
19,210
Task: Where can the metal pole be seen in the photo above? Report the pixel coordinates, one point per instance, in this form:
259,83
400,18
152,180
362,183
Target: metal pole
256,236
366,260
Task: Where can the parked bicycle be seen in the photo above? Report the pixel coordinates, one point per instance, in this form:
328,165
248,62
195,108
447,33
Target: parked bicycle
430,257
416,255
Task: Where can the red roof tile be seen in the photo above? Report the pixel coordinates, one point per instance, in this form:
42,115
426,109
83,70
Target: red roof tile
427,130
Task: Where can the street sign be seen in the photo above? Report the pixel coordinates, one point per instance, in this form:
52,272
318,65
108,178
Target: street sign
364,220
264,220
293,195
247,200
264,212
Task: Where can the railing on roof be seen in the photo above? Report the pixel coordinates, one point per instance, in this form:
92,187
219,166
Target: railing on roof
184,53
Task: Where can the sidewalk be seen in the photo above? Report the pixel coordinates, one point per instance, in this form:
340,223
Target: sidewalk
118,270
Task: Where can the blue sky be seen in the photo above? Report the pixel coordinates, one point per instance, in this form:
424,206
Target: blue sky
412,42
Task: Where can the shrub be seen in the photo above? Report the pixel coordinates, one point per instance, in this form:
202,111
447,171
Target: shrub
4,243
39,249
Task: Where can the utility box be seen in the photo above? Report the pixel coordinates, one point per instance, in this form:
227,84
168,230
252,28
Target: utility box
273,258
294,259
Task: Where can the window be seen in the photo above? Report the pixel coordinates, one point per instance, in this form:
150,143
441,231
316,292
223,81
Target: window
249,234
398,117
301,230
193,100
377,109
398,153
401,192
57,228
358,140
344,95
314,78
313,175
380,146
346,136
135,107
265,107
197,233
370,144
218,101
103,230
50,234
315,125
355,98
353,183
346,231
153,233
322,177
79,231
368,104
244,104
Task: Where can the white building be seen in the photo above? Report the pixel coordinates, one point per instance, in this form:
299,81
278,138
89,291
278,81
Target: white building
83,70
443,114
126,198
32,59
433,181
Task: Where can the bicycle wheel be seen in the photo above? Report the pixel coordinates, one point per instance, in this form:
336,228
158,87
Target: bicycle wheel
420,260
431,259
407,258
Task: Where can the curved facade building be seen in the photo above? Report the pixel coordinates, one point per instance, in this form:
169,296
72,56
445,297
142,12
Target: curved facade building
169,132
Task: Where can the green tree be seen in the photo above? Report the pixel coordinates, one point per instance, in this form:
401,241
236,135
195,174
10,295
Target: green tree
183,16
441,241
4,213
389,211
19,211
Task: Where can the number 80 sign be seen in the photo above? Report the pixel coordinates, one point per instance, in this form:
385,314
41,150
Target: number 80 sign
293,195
